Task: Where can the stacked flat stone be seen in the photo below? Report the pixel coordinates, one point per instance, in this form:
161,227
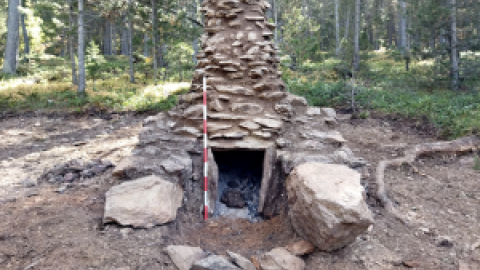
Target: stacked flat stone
246,96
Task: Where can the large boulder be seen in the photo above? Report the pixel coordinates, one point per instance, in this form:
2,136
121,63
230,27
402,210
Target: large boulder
143,203
327,204
184,256
281,259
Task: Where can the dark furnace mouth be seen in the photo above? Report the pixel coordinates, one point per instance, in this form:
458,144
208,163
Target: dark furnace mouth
240,180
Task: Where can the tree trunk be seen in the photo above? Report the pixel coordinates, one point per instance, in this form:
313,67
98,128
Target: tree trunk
107,39
70,43
125,36
347,28
81,51
11,47
337,28
432,39
113,35
26,40
402,26
146,51
356,57
130,36
454,55
274,8
154,39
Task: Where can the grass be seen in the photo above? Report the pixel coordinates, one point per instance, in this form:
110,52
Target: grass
53,89
385,86
111,95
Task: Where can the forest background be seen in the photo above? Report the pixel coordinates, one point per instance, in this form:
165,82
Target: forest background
418,59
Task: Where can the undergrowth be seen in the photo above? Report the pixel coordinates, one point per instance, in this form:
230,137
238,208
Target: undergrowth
384,85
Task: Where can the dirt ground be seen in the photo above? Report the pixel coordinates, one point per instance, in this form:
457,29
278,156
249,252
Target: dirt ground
42,228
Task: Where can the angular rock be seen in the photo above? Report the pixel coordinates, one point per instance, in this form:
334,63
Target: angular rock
254,18
269,123
262,134
301,248
185,256
233,198
241,261
194,112
249,125
329,112
215,105
212,126
327,204
189,131
281,259
229,135
237,90
273,95
247,108
127,164
143,203
285,109
226,116
214,262
314,111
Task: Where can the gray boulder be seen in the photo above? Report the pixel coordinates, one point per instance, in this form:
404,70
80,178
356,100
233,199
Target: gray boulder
327,204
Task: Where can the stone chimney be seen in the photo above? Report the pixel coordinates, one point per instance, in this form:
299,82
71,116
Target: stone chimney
247,101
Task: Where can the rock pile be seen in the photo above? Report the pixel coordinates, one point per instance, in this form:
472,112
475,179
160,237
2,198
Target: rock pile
76,169
194,258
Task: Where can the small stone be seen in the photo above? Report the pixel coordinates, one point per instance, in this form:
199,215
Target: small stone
233,198
329,112
184,256
214,262
252,36
241,261
238,90
63,187
172,166
212,127
256,73
229,135
254,18
247,108
28,182
237,44
444,241
269,123
226,116
191,131
282,143
254,50
194,112
249,125
301,248
273,95
281,259
261,134
70,177
285,109
215,105
314,111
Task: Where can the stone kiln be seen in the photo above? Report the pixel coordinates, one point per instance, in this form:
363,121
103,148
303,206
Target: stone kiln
249,110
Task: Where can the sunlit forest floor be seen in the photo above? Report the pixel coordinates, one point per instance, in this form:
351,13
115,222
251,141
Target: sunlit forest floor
382,85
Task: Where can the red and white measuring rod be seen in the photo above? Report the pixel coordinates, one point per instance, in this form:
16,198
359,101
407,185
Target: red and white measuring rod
205,147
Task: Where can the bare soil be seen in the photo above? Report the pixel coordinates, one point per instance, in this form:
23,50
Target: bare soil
41,228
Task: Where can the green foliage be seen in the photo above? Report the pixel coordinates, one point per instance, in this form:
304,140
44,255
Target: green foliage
388,88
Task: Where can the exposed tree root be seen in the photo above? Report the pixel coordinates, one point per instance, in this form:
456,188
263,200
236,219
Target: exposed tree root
457,146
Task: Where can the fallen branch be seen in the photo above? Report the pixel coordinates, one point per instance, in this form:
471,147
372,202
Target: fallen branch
457,146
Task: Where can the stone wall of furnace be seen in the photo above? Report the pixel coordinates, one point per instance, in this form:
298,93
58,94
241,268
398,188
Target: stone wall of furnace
246,97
